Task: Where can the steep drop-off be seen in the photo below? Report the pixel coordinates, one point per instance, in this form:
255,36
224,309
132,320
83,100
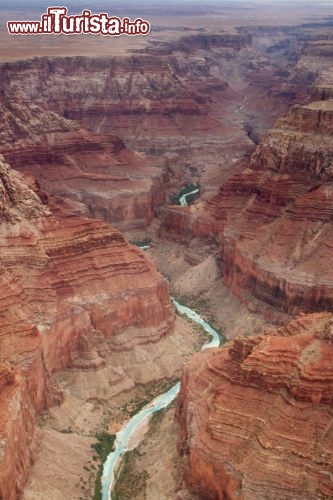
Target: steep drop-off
273,218
72,290
96,171
256,415
199,102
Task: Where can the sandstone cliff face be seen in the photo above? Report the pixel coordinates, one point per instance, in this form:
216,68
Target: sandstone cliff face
256,417
71,291
323,92
273,217
199,102
278,248
96,171
145,100
300,142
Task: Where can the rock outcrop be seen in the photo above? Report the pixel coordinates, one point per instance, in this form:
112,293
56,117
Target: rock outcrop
256,415
71,291
273,216
96,171
198,102
277,248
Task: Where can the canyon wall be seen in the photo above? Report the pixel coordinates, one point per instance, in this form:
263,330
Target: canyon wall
156,103
72,290
278,249
198,103
96,171
255,415
273,216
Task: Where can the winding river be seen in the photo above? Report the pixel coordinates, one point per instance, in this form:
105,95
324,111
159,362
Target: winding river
182,199
162,401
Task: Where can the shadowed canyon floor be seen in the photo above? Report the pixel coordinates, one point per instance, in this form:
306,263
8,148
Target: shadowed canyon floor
98,139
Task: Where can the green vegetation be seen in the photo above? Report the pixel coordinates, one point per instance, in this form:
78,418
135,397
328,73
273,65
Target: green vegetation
141,243
148,393
198,303
187,189
156,419
103,447
130,484
220,332
174,199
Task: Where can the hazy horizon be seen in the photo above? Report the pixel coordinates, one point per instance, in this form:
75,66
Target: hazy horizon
148,3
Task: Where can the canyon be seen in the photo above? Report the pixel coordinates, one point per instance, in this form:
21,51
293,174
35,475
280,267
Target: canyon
239,407
256,417
95,148
272,217
73,290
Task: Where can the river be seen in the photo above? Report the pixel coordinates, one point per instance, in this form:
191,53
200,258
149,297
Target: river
162,401
182,199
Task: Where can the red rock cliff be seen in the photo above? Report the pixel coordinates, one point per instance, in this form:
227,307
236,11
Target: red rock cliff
96,171
274,217
256,418
181,100
71,290
273,214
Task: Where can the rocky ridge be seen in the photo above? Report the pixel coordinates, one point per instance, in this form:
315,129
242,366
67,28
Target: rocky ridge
273,216
199,103
100,176
256,415
114,299
256,418
72,291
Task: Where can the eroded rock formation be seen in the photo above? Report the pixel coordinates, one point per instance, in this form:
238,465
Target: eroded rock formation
199,102
96,171
256,415
71,290
273,217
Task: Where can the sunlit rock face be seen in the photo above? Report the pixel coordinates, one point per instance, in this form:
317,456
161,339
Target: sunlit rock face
273,218
272,215
256,418
180,102
71,291
95,171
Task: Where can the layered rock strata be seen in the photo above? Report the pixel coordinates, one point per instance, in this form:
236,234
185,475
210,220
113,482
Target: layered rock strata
255,415
71,291
96,171
200,101
273,218
272,215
